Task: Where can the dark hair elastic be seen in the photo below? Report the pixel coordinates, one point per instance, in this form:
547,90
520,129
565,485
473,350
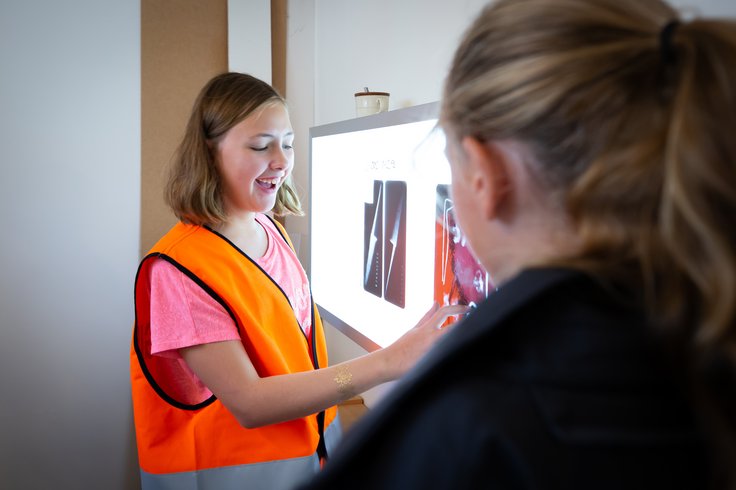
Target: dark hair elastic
667,50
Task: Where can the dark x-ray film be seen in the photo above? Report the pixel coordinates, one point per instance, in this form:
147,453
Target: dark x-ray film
384,271
373,243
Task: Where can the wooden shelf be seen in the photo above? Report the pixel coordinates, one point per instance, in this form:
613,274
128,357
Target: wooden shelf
351,411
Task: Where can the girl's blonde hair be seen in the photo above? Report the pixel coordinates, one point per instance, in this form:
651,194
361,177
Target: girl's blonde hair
194,188
630,114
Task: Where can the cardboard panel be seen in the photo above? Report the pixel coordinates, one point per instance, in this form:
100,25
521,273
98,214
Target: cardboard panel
183,44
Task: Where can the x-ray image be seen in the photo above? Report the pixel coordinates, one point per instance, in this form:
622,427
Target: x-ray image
371,229
384,271
373,242
458,277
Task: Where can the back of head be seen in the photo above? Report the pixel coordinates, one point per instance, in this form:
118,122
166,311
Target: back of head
629,113
193,189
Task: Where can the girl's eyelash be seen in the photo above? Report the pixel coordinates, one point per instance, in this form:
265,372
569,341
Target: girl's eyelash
288,147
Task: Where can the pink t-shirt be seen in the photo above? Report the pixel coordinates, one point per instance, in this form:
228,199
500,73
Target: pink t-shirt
184,315
281,263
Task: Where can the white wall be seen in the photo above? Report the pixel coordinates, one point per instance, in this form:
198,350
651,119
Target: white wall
69,214
402,47
337,47
249,37
724,8
300,88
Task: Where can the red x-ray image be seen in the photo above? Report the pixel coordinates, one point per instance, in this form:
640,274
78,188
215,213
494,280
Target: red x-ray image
458,277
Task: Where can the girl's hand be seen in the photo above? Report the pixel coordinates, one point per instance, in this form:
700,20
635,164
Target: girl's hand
410,347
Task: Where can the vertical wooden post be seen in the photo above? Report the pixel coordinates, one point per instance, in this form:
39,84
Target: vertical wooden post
278,45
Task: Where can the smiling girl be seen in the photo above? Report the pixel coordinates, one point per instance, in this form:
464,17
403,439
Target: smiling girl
230,381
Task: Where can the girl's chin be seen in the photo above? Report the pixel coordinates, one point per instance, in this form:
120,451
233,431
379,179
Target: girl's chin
267,205
267,194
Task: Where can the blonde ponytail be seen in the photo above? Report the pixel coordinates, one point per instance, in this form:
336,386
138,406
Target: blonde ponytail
630,114
698,219
698,210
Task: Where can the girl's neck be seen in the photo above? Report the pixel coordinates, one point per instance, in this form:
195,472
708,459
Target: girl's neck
238,223
246,233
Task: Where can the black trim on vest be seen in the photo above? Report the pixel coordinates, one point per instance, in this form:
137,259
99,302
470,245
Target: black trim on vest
139,353
265,273
315,359
278,228
321,445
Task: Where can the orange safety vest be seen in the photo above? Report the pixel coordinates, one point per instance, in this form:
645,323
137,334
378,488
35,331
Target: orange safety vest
203,445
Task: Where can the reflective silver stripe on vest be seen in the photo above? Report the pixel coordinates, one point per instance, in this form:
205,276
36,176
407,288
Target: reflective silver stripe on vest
284,474
333,434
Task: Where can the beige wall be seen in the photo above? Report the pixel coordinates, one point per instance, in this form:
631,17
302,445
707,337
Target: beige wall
183,44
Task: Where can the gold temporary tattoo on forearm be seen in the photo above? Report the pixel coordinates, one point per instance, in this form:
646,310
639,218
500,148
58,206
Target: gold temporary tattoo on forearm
344,380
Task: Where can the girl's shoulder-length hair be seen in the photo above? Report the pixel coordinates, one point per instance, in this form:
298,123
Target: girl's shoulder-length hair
194,190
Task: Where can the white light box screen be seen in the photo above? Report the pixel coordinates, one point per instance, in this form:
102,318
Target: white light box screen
384,243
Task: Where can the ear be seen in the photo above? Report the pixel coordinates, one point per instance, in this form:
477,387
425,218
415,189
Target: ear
489,175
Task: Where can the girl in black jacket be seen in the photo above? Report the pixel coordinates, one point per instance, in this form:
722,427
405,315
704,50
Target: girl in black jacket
593,159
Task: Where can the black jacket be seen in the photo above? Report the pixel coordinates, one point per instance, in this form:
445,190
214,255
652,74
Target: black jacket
551,383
